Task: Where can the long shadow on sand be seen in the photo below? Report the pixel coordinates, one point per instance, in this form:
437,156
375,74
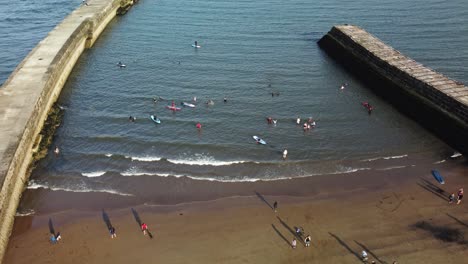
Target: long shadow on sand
445,234
291,231
106,219
264,200
370,252
51,227
458,220
281,235
342,243
434,189
138,220
137,217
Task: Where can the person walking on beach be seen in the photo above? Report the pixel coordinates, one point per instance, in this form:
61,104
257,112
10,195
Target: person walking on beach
460,195
112,232
307,240
294,243
144,228
275,206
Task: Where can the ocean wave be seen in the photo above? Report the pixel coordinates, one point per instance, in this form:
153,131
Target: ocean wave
136,173
230,179
392,168
33,185
387,158
440,161
25,212
203,160
146,158
108,155
93,174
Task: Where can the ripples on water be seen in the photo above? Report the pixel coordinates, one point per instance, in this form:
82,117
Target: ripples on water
249,48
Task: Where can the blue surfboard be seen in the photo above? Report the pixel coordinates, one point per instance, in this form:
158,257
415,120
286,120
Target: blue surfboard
438,177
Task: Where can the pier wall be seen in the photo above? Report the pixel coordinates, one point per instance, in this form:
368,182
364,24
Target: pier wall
432,99
30,91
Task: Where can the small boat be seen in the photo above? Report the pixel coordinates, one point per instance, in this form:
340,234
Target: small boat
155,119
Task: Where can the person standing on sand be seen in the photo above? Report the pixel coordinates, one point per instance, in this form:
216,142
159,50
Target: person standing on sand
275,206
112,232
144,228
460,195
294,243
307,240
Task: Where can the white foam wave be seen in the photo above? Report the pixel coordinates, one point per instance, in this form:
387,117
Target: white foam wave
34,185
346,170
25,212
137,173
134,172
108,155
440,161
93,174
387,158
205,161
146,158
392,168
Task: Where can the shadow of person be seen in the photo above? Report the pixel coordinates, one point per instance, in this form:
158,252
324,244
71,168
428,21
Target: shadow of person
137,217
280,235
370,252
293,232
264,200
106,219
342,243
51,227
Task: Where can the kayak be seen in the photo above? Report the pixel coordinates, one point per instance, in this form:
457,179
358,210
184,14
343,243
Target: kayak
155,119
173,108
259,140
438,177
188,104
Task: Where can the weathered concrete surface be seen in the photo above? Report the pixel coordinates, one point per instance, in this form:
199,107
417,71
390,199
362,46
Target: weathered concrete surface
27,95
432,99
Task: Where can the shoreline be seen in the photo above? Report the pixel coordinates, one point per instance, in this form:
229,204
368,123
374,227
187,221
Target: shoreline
399,218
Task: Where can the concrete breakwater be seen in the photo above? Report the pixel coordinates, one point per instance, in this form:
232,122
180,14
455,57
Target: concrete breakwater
435,101
30,91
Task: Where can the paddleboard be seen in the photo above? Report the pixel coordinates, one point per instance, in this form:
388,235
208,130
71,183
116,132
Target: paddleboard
155,119
456,155
173,108
438,177
259,140
188,104
196,46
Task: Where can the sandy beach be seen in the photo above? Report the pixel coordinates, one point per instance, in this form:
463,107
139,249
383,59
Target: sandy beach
399,215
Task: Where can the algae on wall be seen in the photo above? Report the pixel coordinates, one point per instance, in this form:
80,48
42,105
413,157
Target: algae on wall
47,133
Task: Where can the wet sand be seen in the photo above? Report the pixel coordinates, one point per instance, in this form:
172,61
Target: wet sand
400,214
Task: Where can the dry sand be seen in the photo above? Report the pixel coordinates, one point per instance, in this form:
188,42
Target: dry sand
408,220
